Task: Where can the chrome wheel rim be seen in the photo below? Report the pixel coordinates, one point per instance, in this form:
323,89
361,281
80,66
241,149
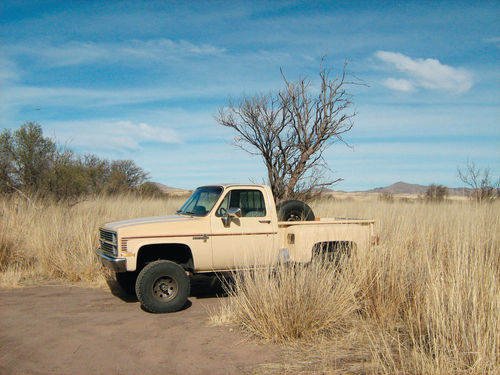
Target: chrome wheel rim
165,288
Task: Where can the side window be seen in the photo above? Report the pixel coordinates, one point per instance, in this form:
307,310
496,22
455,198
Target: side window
251,203
224,206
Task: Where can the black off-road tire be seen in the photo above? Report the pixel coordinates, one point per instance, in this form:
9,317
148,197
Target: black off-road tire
162,287
294,211
126,281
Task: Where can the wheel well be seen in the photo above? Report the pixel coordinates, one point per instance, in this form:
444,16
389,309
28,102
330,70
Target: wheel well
334,250
178,253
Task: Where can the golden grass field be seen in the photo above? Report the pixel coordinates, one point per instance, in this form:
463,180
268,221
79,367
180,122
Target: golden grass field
425,301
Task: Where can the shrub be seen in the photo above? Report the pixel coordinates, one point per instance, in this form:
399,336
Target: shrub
436,193
386,197
293,301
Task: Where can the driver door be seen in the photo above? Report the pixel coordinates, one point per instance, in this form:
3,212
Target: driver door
247,240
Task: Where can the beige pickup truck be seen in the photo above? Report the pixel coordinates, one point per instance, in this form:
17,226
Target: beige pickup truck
219,228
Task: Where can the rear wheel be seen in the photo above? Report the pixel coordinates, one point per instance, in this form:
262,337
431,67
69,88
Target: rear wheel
294,211
162,287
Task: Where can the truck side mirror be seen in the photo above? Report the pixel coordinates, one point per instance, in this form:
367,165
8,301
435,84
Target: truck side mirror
232,213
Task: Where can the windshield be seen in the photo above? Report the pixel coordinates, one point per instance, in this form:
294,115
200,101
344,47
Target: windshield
201,202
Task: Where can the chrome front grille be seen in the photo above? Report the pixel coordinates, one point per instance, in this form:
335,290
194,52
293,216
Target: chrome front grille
108,241
106,235
108,248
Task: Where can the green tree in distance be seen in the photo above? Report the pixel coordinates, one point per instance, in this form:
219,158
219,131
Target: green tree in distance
32,164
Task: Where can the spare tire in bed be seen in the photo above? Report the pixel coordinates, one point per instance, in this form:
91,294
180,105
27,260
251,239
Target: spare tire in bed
294,210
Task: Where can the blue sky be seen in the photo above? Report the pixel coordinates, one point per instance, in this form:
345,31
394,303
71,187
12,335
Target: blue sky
143,81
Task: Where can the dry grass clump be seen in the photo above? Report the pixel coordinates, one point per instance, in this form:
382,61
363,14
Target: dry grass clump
291,302
426,301
44,240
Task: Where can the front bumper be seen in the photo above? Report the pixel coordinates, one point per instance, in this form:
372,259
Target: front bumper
113,263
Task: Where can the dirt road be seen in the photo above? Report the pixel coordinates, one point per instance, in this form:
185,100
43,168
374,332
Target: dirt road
74,330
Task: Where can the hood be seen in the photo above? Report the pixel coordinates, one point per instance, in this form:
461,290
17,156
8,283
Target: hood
148,220
160,225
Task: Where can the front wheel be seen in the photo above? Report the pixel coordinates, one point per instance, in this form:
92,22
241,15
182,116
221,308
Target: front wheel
162,287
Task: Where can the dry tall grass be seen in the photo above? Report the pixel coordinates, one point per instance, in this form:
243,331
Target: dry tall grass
426,301
291,302
44,240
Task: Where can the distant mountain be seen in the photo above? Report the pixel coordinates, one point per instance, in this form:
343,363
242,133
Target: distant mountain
396,188
405,188
400,188
166,188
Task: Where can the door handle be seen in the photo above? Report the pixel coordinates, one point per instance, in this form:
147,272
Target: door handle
265,221
204,237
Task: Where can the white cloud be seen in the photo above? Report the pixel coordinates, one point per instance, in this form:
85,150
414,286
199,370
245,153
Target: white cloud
428,73
8,71
418,150
398,84
83,98
493,40
110,135
420,120
77,53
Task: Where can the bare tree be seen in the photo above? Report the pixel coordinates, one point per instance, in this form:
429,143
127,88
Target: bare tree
292,128
484,188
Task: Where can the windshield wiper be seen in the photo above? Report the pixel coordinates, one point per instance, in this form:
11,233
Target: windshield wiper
185,213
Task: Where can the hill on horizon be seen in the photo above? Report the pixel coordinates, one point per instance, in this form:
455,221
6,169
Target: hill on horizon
401,187
166,188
